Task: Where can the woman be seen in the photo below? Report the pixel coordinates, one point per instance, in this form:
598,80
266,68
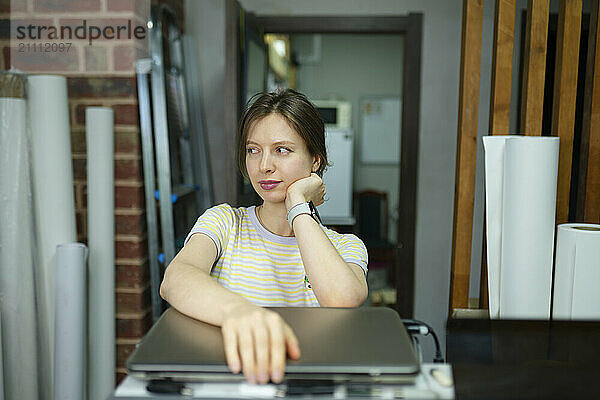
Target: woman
238,260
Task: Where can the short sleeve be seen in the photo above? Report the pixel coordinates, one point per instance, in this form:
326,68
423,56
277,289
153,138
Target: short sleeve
353,250
216,223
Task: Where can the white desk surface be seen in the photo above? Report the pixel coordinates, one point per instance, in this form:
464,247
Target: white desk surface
425,387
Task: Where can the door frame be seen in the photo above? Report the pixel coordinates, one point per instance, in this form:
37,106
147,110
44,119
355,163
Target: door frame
411,26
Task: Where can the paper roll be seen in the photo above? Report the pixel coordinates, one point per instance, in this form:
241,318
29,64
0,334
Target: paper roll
521,177
101,242
54,203
577,272
70,311
1,362
17,292
494,182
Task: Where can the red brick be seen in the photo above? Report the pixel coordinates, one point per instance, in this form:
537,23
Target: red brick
5,31
77,141
124,350
120,5
126,114
6,57
96,58
80,112
30,61
79,189
66,5
84,196
130,248
129,197
130,224
139,7
132,276
124,58
117,29
127,143
82,239
35,34
134,327
119,376
7,6
128,169
133,302
79,168
81,219
102,87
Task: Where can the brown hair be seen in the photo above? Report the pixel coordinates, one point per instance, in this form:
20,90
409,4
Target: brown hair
297,110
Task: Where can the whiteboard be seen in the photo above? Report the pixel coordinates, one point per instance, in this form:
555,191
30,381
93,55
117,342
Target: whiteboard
380,130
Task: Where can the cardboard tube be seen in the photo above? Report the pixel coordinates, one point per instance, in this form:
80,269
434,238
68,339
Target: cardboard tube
101,242
17,291
521,177
54,203
1,362
494,183
70,340
577,272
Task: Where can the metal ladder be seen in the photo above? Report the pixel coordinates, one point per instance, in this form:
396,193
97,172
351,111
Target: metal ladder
170,135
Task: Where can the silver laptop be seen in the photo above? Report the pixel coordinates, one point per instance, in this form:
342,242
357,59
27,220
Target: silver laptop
355,345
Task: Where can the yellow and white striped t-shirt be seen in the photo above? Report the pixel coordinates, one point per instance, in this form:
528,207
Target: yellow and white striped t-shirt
264,267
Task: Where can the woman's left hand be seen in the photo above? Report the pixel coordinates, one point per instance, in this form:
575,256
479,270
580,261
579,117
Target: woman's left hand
306,189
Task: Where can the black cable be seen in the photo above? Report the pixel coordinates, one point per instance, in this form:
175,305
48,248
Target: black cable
416,327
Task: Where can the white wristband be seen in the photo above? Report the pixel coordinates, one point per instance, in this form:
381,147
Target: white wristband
301,208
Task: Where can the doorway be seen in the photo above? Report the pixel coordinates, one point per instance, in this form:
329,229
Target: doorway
307,32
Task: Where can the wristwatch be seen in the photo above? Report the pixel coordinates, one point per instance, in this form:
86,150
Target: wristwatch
303,208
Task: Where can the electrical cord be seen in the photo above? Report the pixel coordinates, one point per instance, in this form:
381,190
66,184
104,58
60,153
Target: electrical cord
416,327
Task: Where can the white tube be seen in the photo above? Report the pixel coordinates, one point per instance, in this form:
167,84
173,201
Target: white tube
17,293
70,301
577,272
494,178
1,362
530,178
54,203
521,258
101,242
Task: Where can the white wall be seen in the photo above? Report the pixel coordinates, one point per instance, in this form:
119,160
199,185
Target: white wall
352,66
437,132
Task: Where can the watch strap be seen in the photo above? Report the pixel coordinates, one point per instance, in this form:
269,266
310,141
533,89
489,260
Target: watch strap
300,208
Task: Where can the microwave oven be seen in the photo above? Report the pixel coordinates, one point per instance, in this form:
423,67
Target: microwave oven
335,113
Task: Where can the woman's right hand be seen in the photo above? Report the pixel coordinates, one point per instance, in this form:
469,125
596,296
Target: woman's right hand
256,342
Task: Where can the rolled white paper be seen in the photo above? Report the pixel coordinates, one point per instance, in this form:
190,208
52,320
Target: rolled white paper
494,182
70,311
525,220
1,362
577,272
101,242
17,291
54,203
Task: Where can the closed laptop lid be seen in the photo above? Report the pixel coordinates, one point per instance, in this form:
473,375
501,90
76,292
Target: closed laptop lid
335,343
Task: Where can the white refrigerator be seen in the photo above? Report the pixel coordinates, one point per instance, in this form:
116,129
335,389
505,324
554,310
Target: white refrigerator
337,210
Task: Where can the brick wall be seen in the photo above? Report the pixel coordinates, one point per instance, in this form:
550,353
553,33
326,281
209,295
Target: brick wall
133,310
102,74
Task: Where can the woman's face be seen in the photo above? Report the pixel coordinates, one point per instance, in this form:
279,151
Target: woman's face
276,157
